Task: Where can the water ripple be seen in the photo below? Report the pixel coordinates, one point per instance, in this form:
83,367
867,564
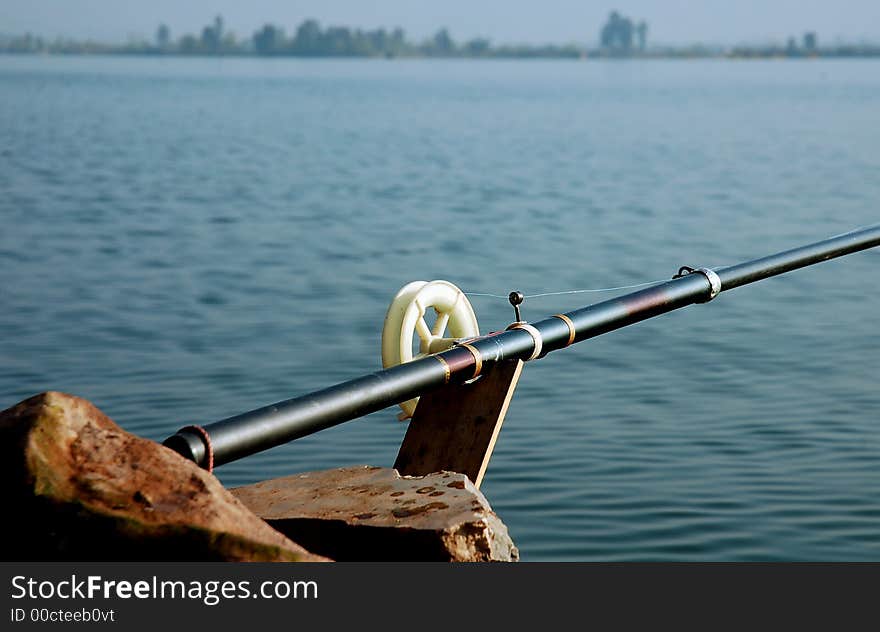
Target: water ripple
186,241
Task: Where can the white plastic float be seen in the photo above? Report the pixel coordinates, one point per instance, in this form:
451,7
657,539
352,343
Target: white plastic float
455,320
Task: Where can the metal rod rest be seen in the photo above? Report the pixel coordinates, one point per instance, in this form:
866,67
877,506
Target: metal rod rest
270,426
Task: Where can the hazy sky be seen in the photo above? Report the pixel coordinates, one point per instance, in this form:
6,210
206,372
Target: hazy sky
504,21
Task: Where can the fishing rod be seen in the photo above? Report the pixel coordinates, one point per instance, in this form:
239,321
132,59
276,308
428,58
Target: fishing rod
466,355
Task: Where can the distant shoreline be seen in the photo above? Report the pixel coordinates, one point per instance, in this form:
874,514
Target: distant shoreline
619,38
583,56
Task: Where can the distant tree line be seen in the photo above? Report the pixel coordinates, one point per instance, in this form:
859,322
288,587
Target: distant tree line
309,39
809,48
620,36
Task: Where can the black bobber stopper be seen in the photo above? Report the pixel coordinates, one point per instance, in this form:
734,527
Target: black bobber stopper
516,298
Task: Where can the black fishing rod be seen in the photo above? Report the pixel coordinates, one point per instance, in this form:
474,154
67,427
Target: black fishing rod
270,426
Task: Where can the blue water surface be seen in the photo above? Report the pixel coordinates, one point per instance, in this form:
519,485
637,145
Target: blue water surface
186,239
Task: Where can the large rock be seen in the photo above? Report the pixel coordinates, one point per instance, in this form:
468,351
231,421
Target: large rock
368,513
76,486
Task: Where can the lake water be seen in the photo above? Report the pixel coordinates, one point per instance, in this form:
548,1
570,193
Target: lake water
187,239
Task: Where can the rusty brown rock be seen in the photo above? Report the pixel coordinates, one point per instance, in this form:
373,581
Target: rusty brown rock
365,513
77,486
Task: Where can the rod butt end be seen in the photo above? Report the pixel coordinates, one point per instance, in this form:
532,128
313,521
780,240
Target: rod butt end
187,444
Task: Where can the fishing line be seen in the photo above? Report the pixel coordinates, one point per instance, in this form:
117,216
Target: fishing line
581,291
563,292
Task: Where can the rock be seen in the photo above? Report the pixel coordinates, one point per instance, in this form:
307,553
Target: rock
77,486
365,513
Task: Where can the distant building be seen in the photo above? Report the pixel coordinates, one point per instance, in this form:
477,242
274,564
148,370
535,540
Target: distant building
617,34
621,36
163,36
642,30
810,42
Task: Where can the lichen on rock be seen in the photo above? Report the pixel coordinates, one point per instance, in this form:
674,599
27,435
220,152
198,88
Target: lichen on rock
368,513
